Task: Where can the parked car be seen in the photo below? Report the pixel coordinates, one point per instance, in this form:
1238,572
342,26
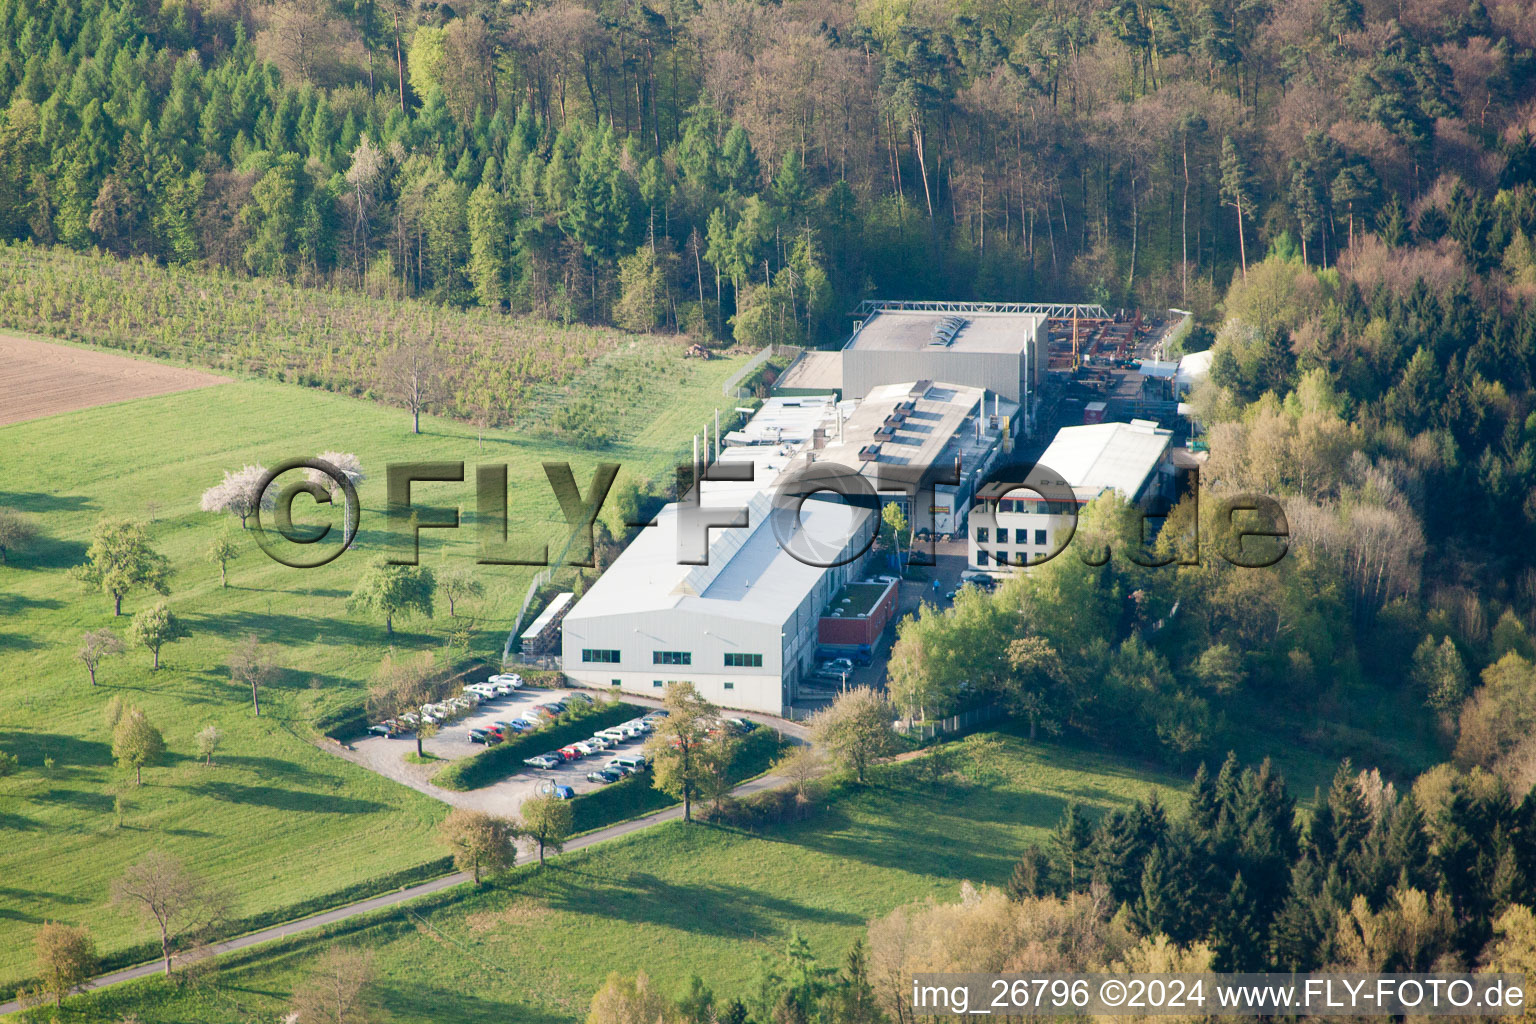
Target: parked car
621,769
557,707
636,762
571,752
516,725
382,730
564,793
511,679
659,713
605,775
586,747
581,697
837,665
544,761
981,579
602,742
478,735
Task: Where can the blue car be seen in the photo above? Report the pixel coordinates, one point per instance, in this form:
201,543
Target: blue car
564,792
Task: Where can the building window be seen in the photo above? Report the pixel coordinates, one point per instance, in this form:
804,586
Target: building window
981,556
981,535
1002,558
599,656
1040,538
743,661
672,657
656,683
730,686
1021,536
1006,505
614,682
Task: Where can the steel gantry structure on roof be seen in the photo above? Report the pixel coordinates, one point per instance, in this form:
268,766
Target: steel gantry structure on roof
1051,310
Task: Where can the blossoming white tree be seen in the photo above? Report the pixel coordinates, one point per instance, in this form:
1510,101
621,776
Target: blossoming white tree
237,493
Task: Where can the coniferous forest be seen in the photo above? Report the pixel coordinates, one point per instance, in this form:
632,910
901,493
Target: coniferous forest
752,169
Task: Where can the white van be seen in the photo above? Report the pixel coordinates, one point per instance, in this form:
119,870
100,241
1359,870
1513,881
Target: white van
634,762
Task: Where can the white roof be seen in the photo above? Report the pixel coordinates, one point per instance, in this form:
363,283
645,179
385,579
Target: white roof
1096,457
786,420
1158,368
750,575
550,611
911,330
1195,367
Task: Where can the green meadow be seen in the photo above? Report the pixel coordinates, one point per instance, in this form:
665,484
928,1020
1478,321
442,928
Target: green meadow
277,820
677,900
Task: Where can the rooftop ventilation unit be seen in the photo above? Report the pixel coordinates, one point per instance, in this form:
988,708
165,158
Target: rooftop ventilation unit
870,453
945,331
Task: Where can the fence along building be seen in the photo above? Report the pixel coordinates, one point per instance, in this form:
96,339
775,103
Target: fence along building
1011,527
978,346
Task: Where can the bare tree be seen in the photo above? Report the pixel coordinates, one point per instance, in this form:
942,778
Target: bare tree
96,645
179,902
339,989
251,664
412,375
16,533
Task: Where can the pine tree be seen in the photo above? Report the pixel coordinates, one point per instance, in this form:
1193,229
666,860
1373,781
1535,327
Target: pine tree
1072,844
1032,875
1236,937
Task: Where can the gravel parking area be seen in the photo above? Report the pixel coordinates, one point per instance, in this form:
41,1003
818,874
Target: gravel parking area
387,756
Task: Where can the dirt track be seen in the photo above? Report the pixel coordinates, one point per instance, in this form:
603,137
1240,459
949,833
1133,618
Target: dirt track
42,379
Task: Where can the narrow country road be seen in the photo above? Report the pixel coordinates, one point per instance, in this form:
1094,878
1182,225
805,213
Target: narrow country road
390,899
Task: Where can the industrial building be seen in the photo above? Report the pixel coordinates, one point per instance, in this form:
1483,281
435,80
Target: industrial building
1012,527
744,628
976,344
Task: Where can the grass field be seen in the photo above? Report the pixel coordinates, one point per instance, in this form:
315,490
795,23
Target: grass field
677,900
276,819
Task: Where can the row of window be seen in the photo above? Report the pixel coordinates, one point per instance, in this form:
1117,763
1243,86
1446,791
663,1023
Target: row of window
983,556
1020,536
604,656
658,684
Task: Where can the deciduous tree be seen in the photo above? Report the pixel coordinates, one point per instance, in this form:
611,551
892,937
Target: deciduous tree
95,646
221,552
482,843
120,561
391,590
64,958
547,821
855,730
179,902
238,494
154,628
136,743
339,989
16,533
252,664
676,747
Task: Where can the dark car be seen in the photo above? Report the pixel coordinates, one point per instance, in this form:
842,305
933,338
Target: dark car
564,793
479,735
581,697
605,775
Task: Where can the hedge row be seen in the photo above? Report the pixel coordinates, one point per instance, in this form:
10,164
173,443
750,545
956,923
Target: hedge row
495,763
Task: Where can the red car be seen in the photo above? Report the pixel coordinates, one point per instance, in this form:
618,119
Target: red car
570,753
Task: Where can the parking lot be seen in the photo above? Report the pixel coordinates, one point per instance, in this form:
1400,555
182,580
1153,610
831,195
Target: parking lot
387,757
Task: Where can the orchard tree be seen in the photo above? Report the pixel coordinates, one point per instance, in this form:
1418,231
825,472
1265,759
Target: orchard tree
179,902
391,590
252,664
221,552
482,843
339,989
16,533
136,743
120,561
207,740
404,684
154,628
238,494
64,958
547,820
855,730
411,374
459,583
676,747
96,645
